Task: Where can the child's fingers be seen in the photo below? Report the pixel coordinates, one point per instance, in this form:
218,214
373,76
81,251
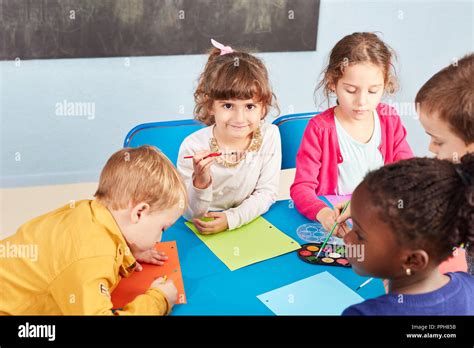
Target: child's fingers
338,232
205,230
212,224
156,262
209,231
160,258
209,226
159,255
199,156
138,267
205,164
201,169
211,162
328,223
214,214
200,225
339,206
204,227
346,215
342,230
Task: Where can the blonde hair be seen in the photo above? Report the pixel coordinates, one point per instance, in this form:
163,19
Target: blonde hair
237,75
359,48
143,174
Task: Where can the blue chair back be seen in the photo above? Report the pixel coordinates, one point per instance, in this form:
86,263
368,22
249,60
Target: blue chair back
291,129
167,135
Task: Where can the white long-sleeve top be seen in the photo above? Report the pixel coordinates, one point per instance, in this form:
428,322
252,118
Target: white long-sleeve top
243,192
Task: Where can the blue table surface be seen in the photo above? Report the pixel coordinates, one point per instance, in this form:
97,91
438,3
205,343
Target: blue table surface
212,289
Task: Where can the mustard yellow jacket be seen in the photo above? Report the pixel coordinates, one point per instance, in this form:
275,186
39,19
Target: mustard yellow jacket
68,262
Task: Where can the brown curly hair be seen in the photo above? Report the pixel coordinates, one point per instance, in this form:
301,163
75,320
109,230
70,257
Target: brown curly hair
359,48
237,75
437,197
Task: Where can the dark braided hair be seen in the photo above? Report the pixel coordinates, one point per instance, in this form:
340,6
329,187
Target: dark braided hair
428,203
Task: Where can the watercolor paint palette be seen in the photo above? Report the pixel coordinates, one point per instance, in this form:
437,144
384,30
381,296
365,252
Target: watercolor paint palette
332,255
315,233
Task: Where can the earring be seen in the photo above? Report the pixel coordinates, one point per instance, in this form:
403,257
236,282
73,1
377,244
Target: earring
408,271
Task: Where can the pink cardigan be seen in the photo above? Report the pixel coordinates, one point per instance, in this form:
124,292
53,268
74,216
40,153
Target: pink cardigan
319,155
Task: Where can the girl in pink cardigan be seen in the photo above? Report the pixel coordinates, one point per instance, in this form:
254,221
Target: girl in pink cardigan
360,134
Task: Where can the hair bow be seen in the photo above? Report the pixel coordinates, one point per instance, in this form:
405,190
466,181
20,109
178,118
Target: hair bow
224,49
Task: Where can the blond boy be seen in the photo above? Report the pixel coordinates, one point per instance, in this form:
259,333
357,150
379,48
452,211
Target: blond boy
86,247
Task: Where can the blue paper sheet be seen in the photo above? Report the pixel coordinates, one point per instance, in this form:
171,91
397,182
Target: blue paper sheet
321,294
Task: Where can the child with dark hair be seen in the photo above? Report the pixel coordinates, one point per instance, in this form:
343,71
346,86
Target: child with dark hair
408,217
233,97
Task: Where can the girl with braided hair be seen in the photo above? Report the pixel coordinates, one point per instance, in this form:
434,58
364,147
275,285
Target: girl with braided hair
408,217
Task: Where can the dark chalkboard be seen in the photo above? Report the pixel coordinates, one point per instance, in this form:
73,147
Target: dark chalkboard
36,29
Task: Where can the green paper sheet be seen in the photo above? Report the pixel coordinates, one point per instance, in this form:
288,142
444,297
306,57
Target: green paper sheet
257,241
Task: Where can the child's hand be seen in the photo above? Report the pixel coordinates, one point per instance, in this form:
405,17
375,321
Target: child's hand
327,217
343,227
219,223
152,256
341,230
202,169
167,288
339,207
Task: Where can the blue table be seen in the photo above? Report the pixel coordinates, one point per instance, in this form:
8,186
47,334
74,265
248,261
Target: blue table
212,289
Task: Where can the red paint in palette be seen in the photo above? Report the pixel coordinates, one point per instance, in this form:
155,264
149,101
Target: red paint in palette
343,262
305,253
331,255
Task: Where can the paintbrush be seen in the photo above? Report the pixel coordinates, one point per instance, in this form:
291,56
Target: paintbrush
364,283
332,230
214,154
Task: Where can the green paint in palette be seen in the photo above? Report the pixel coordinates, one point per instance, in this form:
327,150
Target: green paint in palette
331,255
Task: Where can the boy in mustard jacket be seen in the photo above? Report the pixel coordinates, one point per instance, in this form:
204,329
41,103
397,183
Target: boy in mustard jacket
68,261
